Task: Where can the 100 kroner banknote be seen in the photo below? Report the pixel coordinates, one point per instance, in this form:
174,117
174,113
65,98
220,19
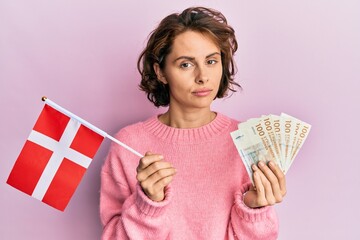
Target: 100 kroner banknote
270,138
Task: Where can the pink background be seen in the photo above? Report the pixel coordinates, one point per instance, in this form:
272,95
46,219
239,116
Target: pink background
298,57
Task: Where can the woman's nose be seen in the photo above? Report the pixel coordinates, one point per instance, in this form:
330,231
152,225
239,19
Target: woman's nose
201,75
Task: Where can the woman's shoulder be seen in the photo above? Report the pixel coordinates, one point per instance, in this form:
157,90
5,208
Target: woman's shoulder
133,129
231,121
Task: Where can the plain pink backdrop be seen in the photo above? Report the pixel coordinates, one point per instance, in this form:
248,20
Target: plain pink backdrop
298,57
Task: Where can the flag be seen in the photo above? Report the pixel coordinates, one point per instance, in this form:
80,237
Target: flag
54,158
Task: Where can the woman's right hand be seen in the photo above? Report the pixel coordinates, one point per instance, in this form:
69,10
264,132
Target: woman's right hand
154,175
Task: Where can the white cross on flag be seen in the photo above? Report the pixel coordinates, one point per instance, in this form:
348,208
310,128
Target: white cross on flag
54,158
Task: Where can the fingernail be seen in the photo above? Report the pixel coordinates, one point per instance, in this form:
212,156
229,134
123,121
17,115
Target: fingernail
254,167
161,157
272,164
261,164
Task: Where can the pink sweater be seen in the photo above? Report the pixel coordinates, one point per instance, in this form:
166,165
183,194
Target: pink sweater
204,201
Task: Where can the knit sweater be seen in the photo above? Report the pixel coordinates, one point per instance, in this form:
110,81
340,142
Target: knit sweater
205,198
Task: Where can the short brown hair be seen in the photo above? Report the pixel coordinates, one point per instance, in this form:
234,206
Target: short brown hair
199,19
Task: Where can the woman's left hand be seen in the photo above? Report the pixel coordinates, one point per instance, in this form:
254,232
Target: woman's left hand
270,186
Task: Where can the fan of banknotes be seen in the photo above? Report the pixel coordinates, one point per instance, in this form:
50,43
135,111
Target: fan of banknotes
270,137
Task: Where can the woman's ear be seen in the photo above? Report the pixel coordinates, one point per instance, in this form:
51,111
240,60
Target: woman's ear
159,73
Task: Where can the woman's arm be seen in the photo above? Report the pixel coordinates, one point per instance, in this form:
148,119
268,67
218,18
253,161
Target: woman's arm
249,223
127,214
252,216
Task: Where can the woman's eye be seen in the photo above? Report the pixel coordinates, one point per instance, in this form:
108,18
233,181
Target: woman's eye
211,62
185,65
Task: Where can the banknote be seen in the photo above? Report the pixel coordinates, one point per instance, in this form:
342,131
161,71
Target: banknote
267,127
300,133
270,138
275,121
250,147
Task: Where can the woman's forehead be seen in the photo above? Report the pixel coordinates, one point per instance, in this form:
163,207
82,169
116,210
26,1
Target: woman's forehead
192,44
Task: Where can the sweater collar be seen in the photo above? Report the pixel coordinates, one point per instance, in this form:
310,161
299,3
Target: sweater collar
189,135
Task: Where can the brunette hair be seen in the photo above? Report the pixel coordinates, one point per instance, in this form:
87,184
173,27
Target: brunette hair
198,19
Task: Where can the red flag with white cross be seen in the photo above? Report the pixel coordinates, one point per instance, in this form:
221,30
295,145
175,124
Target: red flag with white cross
56,155
54,158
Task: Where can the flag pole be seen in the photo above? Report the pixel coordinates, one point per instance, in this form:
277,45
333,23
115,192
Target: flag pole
89,125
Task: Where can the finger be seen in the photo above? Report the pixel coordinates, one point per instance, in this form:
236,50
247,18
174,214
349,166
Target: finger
156,192
160,174
149,184
267,171
151,169
259,187
147,160
269,196
274,182
280,176
162,183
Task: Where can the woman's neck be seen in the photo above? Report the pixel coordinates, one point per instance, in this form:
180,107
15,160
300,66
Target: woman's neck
187,118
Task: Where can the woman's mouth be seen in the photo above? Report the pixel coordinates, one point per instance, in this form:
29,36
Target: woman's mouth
202,92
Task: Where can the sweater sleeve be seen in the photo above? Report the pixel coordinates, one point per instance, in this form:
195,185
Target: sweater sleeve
126,213
248,223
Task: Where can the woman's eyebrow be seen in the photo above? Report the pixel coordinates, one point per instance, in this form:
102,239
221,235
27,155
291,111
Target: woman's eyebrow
185,58
192,58
212,54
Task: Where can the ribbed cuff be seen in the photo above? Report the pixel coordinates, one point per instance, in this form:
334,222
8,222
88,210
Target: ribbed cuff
150,207
250,214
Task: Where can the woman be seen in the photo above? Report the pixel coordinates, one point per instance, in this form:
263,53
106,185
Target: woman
191,183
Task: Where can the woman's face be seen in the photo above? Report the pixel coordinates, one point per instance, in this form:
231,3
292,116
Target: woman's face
193,70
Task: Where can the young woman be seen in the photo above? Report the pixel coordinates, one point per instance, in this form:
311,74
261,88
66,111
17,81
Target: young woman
191,183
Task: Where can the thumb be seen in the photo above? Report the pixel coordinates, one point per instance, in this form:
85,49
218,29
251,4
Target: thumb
148,153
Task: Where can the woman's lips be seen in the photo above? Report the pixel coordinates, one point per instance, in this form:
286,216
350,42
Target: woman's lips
202,92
